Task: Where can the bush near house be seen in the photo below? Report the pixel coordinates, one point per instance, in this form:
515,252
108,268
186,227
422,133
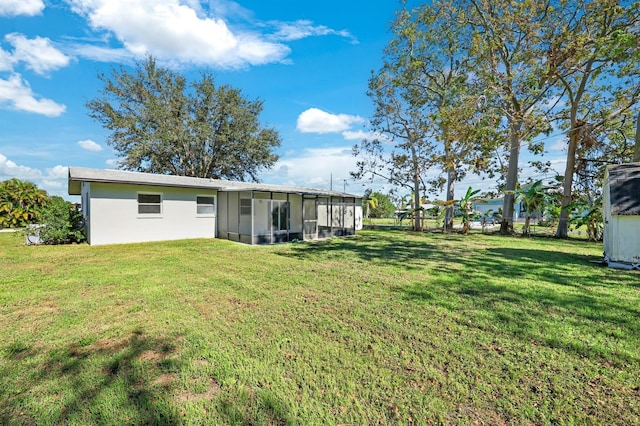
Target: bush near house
61,223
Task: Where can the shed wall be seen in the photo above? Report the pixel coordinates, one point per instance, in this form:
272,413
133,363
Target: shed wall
607,234
624,240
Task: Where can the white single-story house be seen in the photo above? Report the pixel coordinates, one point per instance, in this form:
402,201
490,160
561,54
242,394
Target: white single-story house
496,204
126,207
621,214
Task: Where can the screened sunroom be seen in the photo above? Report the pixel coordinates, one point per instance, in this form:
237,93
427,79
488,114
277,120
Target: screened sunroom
269,217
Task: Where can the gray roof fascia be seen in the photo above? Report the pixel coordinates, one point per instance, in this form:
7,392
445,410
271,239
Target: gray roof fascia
77,175
80,174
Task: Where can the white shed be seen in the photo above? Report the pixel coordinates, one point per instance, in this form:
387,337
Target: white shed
125,207
621,213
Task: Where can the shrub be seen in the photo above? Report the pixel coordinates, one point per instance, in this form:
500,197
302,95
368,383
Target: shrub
61,223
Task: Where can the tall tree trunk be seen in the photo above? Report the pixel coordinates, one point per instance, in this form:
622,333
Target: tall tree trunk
417,213
452,176
506,227
563,223
636,148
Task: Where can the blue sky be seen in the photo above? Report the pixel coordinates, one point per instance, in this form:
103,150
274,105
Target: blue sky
308,61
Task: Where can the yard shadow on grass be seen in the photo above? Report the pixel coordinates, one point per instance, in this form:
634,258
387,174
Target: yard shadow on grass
520,289
372,248
95,379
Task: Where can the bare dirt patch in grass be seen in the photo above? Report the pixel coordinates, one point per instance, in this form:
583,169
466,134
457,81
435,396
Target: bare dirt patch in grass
213,387
165,380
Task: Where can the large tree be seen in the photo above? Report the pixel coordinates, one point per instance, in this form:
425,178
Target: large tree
426,104
433,49
401,152
507,49
595,59
160,123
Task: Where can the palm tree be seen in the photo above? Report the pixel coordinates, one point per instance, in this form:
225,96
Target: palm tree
372,203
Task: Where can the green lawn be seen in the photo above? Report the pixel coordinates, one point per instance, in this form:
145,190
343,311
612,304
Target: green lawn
384,328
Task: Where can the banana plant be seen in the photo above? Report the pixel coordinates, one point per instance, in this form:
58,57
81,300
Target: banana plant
466,207
534,199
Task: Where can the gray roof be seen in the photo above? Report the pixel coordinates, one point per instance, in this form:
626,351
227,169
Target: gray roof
77,175
624,189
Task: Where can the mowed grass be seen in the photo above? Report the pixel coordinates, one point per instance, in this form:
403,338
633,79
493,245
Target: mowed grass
384,328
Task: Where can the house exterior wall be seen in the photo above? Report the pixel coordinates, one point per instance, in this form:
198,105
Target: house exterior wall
85,202
496,204
113,214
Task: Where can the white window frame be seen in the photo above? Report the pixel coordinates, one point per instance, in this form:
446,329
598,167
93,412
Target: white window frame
214,205
149,215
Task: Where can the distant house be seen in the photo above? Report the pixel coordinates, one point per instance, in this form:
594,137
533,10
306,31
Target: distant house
126,207
621,213
495,205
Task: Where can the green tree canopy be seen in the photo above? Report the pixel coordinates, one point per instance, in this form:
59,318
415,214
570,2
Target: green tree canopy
595,57
21,203
160,123
383,206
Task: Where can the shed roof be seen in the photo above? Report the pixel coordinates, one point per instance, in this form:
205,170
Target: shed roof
624,189
77,175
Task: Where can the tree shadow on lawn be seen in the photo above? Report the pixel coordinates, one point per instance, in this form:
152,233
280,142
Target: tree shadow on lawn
129,381
422,253
92,379
541,285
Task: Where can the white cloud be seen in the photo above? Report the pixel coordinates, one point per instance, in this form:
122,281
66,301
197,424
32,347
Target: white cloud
101,54
53,180
21,7
6,60
9,169
113,163
315,120
58,172
17,93
559,144
37,53
171,30
227,8
359,135
314,167
90,145
289,31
